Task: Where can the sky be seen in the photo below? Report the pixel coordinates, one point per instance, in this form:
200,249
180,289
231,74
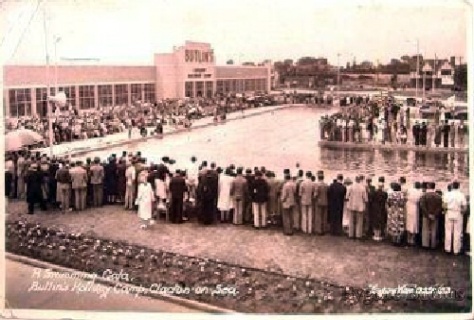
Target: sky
130,32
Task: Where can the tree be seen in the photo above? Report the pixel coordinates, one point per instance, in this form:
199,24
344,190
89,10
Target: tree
288,62
394,80
230,61
460,77
248,64
307,61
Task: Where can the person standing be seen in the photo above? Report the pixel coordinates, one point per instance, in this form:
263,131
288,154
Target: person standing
34,193
321,205
336,198
259,194
97,179
239,194
79,185
273,196
306,192
130,185
224,201
177,189
431,206
21,171
378,211
416,133
63,178
412,226
456,204
462,132
287,199
356,204
445,130
206,198
250,178
396,214
144,201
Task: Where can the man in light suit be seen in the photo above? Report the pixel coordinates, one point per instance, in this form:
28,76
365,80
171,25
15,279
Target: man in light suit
321,205
288,201
63,178
79,185
239,193
306,200
356,203
97,180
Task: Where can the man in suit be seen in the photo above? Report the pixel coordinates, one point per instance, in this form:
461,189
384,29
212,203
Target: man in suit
97,180
416,133
297,206
250,178
446,129
63,178
336,198
288,201
273,196
306,191
321,204
456,204
34,193
431,207
259,194
79,185
356,204
239,194
177,190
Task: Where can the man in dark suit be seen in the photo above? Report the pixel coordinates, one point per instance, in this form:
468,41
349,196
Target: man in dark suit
177,190
416,133
34,193
431,207
248,202
446,128
336,198
423,134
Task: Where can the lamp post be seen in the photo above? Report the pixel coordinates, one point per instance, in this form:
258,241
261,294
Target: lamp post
338,76
50,111
417,68
56,40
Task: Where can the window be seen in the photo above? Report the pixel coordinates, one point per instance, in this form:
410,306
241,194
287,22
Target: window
20,102
227,86
149,93
41,102
446,72
86,97
247,85
121,94
189,89
70,94
219,86
233,85
199,89
136,91
209,89
106,98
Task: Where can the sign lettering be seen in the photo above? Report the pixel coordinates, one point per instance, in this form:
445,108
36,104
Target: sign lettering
199,56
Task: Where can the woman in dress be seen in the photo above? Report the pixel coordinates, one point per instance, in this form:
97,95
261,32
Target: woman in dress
145,199
224,200
412,227
396,214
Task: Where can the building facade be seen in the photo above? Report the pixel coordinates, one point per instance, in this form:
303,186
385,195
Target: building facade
189,71
434,74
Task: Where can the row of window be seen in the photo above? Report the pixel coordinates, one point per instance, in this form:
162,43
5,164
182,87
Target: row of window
20,100
241,85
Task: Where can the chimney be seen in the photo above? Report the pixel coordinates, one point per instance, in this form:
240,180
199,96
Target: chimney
452,60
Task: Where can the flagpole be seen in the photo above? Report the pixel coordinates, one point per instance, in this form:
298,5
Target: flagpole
49,109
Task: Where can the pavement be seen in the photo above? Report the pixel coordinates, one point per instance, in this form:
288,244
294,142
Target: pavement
22,292
336,260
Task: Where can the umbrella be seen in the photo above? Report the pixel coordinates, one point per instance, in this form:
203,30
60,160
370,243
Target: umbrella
16,140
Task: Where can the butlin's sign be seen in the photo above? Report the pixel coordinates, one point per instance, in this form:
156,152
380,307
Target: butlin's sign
198,56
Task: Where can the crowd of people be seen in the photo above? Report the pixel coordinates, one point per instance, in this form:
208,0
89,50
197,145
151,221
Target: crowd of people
384,121
301,201
71,124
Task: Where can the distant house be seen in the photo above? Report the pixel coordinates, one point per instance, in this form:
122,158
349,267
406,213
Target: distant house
433,73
